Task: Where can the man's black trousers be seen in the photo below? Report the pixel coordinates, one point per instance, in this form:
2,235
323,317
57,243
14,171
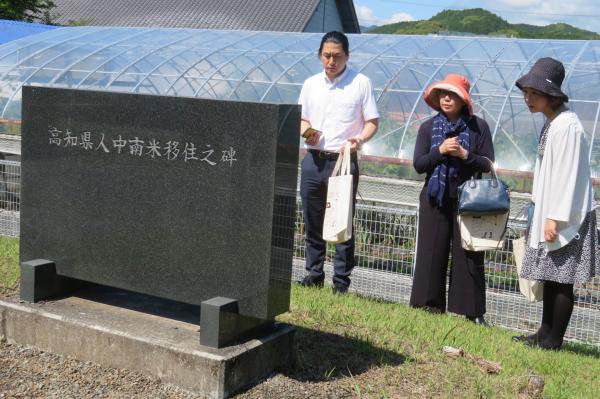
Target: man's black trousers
315,171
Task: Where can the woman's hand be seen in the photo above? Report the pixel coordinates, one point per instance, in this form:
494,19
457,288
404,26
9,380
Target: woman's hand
550,230
460,153
449,145
452,147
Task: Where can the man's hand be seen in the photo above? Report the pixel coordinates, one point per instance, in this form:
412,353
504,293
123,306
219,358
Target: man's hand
355,144
313,139
550,230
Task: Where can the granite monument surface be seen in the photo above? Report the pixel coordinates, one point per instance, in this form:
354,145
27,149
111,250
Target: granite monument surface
187,199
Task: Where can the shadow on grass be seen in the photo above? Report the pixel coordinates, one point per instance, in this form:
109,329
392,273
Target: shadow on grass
322,356
582,349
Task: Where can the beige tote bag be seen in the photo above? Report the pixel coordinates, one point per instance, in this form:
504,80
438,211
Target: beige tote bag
533,290
482,233
337,225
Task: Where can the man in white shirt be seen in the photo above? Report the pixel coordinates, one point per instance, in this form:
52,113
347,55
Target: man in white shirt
339,106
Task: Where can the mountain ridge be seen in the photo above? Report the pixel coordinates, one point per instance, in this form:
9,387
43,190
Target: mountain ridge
478,21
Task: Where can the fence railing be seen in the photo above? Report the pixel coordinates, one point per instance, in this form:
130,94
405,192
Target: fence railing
10,187
386,225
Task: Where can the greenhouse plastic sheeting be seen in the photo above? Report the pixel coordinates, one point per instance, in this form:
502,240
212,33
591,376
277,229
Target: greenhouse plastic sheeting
12,30
271,67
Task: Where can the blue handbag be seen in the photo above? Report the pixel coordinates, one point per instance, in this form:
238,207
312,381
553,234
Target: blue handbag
477,197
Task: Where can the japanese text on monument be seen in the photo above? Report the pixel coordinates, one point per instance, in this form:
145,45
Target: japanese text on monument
170,150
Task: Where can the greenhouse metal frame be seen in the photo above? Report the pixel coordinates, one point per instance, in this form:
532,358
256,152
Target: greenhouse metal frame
271,67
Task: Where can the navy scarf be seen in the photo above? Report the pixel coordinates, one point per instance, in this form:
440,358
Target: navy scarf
443,129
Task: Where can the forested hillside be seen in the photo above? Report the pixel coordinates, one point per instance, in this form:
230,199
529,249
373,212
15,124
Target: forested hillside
481,22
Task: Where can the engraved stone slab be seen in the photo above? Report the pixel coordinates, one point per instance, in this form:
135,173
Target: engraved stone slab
182,198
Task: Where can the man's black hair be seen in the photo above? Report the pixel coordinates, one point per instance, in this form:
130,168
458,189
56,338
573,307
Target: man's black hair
337,38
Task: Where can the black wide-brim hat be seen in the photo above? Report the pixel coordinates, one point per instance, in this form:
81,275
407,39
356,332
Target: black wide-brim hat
546,76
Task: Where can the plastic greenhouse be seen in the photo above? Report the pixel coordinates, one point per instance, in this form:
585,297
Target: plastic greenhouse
271,67
12,30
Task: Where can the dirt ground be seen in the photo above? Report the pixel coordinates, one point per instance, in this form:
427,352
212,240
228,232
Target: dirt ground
30,373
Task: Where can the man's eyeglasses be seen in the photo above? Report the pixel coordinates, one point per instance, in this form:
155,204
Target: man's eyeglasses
336,57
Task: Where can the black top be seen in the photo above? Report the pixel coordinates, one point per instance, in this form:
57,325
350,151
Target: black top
425,158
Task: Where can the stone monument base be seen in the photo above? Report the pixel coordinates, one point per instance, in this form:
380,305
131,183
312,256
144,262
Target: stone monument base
121,329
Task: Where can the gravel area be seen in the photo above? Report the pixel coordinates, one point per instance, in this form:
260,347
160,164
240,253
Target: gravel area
27,372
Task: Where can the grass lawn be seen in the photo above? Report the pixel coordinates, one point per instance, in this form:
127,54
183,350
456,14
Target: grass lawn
390,350
9,264
375,349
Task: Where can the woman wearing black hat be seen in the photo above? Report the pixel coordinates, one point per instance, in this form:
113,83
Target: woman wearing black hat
562,240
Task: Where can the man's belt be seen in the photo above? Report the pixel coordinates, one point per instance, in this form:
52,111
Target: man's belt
330,156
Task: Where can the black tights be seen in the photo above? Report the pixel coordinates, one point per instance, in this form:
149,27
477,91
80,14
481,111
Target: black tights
558,306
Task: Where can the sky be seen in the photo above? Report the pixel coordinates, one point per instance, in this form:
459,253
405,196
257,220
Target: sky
584,14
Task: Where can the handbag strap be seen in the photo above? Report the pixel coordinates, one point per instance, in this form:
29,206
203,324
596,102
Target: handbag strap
346,162
503,231
343,162
492,172
338,164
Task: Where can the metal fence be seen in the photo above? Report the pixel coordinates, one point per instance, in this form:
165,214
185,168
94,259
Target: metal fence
386,230
10,177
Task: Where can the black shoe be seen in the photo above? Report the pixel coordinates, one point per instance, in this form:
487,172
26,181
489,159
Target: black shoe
431,309
478,320
526,339
543,345
549,347
310,281
339,289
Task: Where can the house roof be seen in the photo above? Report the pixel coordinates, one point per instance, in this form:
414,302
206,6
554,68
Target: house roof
259,15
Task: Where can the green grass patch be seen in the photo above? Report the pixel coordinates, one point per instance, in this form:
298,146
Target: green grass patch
383,349
373,349
9,264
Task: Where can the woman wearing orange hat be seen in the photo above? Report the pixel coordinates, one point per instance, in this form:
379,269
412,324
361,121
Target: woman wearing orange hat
451,147
562,242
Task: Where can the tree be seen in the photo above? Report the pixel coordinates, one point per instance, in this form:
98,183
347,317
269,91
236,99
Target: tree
26,10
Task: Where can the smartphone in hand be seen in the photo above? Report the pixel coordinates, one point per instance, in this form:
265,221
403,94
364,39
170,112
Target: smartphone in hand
309,132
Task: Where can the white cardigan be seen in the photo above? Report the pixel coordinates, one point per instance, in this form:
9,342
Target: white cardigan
562,187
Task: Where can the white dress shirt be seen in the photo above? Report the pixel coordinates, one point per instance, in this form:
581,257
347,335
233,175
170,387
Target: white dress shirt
338,108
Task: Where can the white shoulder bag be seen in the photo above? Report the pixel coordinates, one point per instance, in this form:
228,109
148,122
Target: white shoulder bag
533,290
337,225
483,232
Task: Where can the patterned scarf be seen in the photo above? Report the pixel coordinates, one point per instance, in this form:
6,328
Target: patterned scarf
542,140
442,129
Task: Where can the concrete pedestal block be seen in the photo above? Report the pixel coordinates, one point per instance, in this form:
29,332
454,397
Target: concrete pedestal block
221,324
39,281
127,336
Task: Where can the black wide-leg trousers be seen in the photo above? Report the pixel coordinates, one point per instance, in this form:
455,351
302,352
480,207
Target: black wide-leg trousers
438,228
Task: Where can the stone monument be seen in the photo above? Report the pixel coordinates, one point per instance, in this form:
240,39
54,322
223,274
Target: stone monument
187,199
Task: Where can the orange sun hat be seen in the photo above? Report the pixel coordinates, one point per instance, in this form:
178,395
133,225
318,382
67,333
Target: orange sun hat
455,83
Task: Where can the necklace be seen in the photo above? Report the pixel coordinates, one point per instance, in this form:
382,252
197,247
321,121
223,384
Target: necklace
544,134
